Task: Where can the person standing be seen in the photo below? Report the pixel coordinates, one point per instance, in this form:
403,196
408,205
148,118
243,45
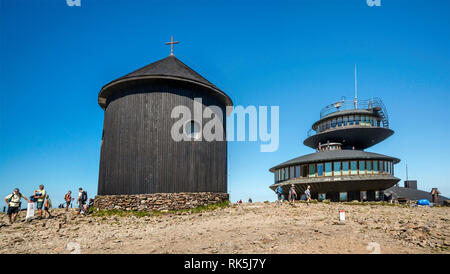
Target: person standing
13,202
292,194
68,199
40,195
308,195
435,195
82,198
47,206
279,192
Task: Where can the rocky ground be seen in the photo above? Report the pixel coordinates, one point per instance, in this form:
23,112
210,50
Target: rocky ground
245,228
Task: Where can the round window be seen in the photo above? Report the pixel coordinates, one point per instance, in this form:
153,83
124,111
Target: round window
192,129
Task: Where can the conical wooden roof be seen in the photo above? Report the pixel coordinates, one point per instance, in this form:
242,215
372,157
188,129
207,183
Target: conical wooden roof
170,68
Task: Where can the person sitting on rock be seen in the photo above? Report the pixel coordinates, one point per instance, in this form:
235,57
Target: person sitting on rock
88,206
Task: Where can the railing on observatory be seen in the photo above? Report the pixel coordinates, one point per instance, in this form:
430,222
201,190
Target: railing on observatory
370,104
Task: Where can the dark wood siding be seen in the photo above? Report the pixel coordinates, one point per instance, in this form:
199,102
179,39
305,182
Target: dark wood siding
138,154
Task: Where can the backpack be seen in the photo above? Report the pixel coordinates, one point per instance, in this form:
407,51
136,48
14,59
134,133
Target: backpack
48,203
279,190
84,196
12,195
33,199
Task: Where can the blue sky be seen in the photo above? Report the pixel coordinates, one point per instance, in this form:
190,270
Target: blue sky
299,55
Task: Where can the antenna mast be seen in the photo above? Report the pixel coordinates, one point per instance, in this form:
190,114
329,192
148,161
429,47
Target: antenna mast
356,91
406,172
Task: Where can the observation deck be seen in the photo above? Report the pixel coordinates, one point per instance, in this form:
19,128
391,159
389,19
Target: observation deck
356,124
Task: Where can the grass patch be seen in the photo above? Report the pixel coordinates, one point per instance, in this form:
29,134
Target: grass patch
444,248
209,207
140,214
374,203
312,201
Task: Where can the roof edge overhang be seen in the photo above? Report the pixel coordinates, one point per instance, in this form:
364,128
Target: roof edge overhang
343,183
376,156
358,136
108,89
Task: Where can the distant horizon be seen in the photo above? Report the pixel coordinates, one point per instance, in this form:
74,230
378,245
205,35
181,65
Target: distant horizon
299,56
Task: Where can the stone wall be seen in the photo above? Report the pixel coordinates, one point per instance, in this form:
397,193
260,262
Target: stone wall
158,201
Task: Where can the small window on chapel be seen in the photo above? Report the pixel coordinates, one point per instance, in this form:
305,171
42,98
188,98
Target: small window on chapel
192,129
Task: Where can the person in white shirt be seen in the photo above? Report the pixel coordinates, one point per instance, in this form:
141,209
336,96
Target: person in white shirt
308,195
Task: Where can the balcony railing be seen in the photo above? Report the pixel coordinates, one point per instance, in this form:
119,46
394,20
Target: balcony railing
370,104
374,103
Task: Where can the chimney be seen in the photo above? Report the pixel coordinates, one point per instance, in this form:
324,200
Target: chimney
411,184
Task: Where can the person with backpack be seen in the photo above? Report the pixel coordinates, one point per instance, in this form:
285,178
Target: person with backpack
82,198
308,195
68,199
13,202
279,192
40,195
292,194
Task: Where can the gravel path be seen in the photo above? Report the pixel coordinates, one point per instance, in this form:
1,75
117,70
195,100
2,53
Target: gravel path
245,228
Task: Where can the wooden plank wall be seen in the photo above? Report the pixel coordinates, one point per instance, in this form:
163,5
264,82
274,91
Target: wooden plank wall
138,154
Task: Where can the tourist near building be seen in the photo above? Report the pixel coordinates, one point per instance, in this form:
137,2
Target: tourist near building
138,153
340,169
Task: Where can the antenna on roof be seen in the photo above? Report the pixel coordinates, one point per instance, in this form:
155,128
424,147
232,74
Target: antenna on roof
356,91
406,172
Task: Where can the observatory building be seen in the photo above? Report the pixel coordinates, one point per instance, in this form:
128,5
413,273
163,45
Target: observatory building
340,169
138,153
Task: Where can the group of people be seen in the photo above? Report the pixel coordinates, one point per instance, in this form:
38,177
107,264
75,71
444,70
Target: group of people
43,202
40,197
249,200
293,194
83,204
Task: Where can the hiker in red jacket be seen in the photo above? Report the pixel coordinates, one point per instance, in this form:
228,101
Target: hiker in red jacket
68,199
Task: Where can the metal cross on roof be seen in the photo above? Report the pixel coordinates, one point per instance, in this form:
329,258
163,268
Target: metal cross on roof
171,43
